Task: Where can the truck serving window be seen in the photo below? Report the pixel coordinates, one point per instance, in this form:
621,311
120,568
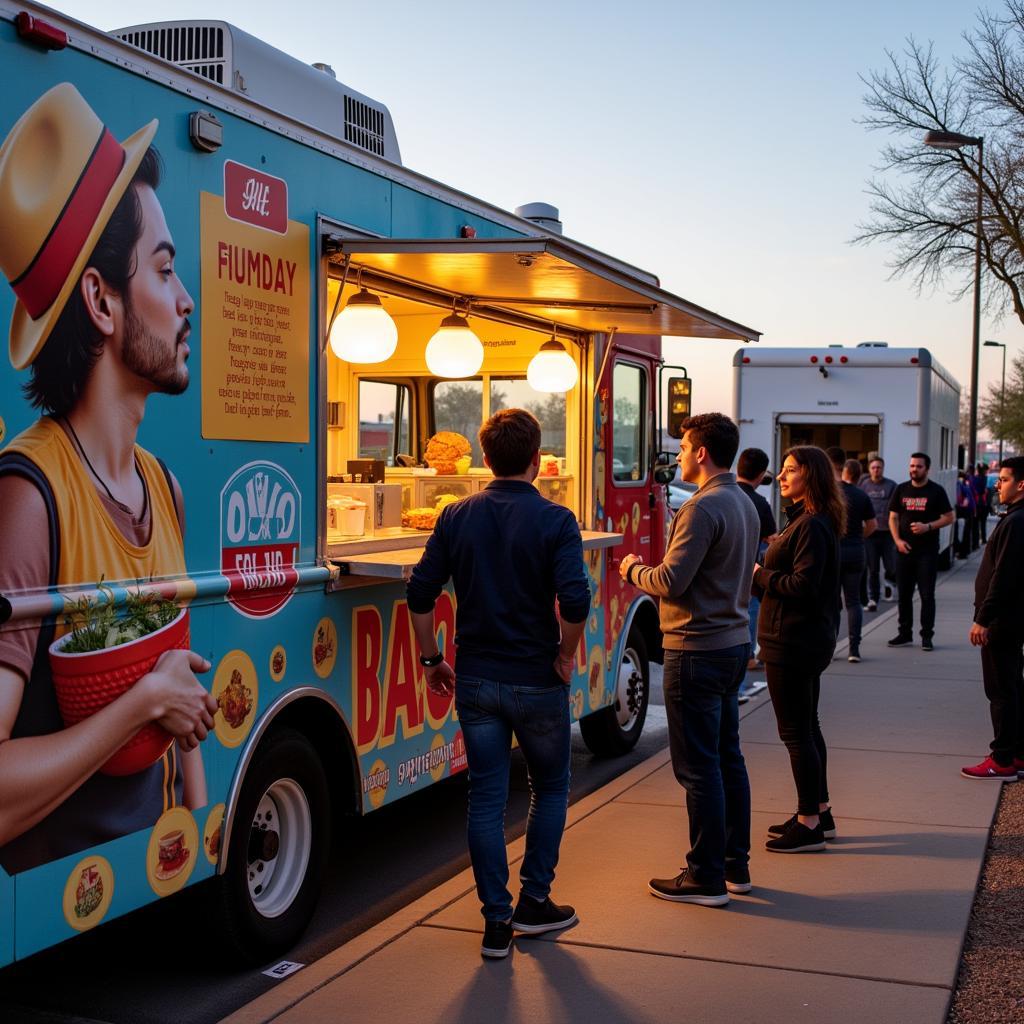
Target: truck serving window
383,420
629,413
515,393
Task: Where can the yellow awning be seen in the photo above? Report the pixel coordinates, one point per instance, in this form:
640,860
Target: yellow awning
543,279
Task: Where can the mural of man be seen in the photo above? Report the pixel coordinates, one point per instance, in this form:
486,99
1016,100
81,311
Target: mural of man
101,322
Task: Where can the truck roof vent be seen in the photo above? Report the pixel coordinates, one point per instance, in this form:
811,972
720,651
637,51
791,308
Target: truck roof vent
872,344
543,214
199,47
364,125
230,57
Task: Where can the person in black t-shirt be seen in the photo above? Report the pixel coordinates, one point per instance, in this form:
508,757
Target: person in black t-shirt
860,523
751,473
917,511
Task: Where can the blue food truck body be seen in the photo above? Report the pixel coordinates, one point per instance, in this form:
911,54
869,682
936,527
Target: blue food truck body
294,559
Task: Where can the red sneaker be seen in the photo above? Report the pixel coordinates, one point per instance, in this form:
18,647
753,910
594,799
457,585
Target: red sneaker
989,769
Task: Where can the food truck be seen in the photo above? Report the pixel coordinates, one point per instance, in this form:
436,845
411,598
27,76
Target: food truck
868,399
292,366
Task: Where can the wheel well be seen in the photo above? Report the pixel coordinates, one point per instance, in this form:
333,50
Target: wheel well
329,736
647,622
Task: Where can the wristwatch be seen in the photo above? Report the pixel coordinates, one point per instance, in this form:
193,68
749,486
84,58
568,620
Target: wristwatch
432,661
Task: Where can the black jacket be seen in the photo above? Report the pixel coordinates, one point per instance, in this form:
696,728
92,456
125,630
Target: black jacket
999,585
799,618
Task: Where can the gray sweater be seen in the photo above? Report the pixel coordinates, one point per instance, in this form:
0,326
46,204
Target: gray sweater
704,581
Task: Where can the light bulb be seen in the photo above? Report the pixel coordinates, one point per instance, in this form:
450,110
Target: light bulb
454,350
363,332
552,369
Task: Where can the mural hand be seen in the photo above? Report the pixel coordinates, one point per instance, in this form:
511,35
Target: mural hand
179,702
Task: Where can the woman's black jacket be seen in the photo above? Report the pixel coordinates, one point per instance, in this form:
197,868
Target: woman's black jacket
799,618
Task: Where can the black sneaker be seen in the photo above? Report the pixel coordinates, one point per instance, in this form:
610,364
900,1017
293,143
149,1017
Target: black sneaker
798,838
927,645
854,655
900,640
533,917
828,825
683,889
497,939
737,879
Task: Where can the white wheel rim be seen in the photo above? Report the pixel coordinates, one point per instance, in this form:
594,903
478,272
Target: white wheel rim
629,691
279,843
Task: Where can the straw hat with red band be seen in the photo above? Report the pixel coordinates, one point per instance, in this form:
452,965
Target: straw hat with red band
62,174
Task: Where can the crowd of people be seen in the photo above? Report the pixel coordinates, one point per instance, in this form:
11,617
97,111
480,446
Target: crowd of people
730,577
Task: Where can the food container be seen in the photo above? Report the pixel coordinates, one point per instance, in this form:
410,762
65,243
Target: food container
462,464
85,683
350,516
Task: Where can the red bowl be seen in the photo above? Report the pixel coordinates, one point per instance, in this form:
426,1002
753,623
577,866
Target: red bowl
84,683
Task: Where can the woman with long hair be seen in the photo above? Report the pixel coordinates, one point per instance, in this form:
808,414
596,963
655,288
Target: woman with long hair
797,631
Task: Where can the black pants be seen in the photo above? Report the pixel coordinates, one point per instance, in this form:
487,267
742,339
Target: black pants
1002,667
851,575
795,690
919,569
962,532
880,547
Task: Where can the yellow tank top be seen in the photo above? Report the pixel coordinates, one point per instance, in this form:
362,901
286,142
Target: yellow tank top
91,545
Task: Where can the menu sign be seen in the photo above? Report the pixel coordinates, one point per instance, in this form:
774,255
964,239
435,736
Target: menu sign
255,322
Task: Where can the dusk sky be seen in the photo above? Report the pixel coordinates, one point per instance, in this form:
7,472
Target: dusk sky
715,145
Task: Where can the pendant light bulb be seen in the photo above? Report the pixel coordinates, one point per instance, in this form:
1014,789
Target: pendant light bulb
552,370
363,332
454,351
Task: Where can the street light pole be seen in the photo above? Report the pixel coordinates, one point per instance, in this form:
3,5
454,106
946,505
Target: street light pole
954,140
1002,396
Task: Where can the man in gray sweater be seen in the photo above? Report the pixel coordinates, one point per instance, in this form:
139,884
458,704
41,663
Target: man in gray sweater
704,588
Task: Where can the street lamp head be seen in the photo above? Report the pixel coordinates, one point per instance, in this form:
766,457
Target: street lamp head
950,140
994,344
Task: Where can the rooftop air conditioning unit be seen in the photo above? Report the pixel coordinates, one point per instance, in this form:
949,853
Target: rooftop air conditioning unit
872,344
228,56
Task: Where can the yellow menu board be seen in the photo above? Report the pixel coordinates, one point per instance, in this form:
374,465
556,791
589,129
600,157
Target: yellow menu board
255,323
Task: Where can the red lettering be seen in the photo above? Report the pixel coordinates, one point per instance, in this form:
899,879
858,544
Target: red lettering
402,695
444,619
367,639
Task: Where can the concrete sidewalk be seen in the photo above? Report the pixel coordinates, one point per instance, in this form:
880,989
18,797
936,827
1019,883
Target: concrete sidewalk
871,929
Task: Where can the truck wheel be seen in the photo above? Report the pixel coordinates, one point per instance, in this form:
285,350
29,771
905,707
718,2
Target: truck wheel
278,850
614,730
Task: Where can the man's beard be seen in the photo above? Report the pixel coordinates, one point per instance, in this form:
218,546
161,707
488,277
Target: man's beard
146,356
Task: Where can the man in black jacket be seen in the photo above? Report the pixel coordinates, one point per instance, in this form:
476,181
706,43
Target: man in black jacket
998,630
509,553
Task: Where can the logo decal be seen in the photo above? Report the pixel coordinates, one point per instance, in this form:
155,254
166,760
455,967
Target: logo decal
260,534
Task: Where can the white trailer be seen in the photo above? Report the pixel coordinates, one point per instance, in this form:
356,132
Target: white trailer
864,399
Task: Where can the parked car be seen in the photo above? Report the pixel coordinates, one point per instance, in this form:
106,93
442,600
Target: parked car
679,492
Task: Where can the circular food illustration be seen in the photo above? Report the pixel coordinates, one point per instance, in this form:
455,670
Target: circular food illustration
595,678
278,663
325,647
636,516
592,625
376,783
236,690
212,833
171,854
577,704
88,892
623,522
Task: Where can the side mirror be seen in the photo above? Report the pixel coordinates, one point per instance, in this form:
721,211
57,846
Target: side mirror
678,405
664,468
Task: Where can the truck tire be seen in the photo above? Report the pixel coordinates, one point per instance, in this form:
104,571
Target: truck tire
278,849
614,730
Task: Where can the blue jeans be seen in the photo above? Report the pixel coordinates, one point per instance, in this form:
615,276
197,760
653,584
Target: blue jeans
490,712
704,740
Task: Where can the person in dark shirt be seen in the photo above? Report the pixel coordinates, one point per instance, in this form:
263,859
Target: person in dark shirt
860,523
509,553
917,511
880,548
751,473
797,630
979,482
998,629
